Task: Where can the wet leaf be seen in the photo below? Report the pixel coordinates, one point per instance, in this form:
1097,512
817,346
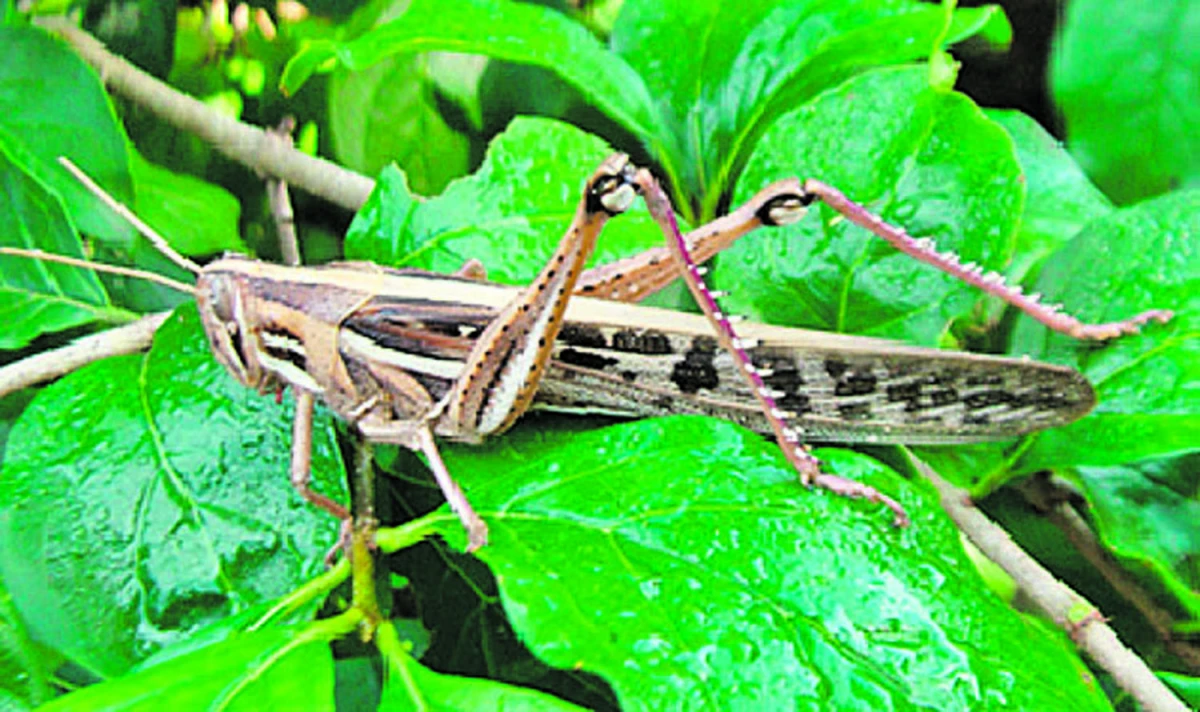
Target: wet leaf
510,214
679,559
158,485
1060,199
1135,455
918,157
1134,259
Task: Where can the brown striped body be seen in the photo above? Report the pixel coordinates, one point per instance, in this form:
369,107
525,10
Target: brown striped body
383,345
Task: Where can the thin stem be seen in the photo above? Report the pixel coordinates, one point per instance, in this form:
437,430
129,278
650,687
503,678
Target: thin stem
1055,599
307,593
46,366
281,203
246,144
362,538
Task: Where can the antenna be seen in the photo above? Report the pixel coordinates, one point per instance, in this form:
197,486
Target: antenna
99,267
148,232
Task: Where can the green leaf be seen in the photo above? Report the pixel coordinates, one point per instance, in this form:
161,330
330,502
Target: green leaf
41,297
1060,200
1146,513
515,32
1135,455
24,681
922,159
196,217
409,685
1188,688
388,112
39,80
156,484
679,559
272,669
750,61
1124,76
723,72
1134,259
509,214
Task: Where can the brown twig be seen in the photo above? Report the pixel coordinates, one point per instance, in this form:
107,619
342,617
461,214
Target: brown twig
49,365
246,144
1046,496
281,203
1056,600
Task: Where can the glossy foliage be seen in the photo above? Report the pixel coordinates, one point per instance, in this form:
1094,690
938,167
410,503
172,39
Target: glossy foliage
1127,80
148,535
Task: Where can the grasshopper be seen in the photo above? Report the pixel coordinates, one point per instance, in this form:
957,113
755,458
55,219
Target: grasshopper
408,356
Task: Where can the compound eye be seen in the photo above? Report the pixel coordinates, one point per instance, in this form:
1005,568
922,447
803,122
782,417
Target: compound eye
784,209
221,298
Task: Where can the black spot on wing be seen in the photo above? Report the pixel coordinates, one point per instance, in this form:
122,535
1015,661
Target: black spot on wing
697,369
582,335
649,342
585,359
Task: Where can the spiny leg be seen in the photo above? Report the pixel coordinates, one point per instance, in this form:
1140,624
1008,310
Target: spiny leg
635,278
993,283
506,364
786,435
785,202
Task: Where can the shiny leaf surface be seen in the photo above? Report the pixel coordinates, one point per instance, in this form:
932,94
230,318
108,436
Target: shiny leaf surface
510,214
679,559
920,158
158,485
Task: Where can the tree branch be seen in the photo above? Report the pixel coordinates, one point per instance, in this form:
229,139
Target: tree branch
1055,599
249,145
49,365
1045,494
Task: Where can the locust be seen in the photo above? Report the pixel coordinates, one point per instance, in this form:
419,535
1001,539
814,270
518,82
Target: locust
409,357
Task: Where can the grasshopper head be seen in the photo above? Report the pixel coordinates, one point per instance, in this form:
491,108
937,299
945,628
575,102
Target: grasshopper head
221,297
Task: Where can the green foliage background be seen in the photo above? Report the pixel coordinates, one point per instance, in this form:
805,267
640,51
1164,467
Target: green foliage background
151,550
